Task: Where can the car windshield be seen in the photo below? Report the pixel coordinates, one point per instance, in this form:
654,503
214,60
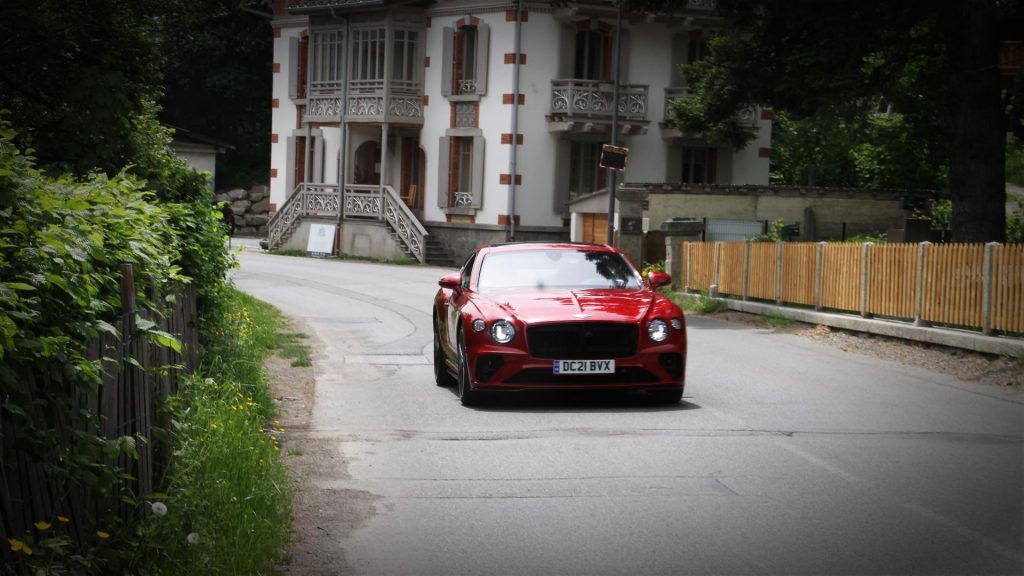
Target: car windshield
556,268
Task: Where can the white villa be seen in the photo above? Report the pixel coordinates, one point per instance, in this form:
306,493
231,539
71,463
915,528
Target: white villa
426,128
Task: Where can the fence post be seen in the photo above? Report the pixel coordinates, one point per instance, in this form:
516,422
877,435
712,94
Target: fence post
819,274
713,289
919,307
746,268
778,272
986,290
689,264
865,269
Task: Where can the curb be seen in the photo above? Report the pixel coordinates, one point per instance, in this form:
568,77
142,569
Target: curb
943,336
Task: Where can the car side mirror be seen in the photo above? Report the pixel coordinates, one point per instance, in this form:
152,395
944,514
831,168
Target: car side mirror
451,281
658,279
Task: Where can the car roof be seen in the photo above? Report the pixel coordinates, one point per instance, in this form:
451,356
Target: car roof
520,246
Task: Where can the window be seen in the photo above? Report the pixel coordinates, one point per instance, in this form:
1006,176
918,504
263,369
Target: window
325,62
593,55
585,175
464,61
697,48
368,55
698,165
460,170
404,63
464,72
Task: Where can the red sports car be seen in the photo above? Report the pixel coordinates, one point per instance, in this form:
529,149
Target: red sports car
555,316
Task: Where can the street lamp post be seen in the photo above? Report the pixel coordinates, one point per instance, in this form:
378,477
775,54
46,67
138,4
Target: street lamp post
615,126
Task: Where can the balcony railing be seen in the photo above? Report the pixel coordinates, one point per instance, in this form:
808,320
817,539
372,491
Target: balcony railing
366,101
746,117
593,99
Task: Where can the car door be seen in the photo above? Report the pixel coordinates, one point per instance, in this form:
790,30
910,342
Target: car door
456,302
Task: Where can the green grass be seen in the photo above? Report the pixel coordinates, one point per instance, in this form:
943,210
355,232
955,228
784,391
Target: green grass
229,488
699,303
777,320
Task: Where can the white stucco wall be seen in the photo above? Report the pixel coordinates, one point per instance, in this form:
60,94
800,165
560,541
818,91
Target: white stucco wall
282,121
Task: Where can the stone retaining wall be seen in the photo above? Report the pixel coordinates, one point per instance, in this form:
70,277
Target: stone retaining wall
250,208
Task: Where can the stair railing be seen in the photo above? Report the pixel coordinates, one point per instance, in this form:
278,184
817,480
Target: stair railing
308,199
383,203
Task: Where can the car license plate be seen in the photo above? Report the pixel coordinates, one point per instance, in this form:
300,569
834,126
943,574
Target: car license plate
584,366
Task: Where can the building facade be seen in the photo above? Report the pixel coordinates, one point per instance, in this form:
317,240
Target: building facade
462,122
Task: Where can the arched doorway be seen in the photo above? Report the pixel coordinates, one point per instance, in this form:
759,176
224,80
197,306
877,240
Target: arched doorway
367,164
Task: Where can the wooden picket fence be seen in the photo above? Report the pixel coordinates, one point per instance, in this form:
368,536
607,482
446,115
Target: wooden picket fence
125,405
978,286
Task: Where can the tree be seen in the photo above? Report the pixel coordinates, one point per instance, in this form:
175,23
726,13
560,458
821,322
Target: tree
218,81
937,62
75,76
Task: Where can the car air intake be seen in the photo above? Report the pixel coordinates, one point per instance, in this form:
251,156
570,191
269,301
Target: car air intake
590,340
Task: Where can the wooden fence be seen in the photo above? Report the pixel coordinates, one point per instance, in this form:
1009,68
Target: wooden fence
968,285
124,405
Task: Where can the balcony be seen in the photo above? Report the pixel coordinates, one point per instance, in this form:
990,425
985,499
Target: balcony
586,106
368,101
746,117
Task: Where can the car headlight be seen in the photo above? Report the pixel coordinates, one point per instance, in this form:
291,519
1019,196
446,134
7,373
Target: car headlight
479,325
503,331
658,330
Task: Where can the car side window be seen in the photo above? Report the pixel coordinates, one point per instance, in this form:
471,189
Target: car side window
467,271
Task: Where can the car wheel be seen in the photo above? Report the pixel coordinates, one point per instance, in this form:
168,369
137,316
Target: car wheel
669,396
467,395
441,374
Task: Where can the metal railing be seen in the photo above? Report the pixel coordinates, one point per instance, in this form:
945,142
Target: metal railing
593,99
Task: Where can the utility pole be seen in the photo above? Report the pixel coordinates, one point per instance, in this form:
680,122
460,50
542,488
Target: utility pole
615,125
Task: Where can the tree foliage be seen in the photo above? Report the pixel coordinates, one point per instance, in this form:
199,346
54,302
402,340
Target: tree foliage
218,82
835,61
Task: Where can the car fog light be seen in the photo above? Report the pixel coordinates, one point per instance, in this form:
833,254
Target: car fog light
479,325
677,324
657,330
503,331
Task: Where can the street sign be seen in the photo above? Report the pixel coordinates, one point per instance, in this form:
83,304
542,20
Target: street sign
613,157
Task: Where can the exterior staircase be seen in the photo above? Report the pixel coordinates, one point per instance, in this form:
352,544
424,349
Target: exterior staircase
361,202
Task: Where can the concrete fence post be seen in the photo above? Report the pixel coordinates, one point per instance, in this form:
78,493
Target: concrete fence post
746,269
922,250
713,289
819,274
778,272
986,291
865,269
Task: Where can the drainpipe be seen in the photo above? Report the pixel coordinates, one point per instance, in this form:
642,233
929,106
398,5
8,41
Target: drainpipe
342,163
515,124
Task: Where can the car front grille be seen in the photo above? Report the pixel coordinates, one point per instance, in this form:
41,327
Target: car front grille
582,340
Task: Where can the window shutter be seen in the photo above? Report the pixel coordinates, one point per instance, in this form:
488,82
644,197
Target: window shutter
478,171
483,40
448,53
293,68
444,150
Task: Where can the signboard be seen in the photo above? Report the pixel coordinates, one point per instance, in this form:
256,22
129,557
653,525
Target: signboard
613,157
321,240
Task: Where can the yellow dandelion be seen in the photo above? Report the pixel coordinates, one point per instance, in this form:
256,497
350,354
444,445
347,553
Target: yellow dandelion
103,535
63,519
19,546
42,526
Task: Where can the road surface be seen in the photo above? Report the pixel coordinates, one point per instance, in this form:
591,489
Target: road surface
786,456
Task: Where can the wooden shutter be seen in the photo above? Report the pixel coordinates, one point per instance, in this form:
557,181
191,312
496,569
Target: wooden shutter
447,55
478,171
293,68
483,35
444,148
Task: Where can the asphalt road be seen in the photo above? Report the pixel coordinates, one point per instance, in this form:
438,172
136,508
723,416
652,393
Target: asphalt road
786,457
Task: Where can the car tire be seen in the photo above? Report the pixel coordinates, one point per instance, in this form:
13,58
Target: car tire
667,397
467,395
441,374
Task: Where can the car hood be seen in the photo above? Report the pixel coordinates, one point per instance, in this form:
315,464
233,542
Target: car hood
596,305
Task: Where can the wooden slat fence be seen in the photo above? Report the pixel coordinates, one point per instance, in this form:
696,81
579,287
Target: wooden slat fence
965,285
124,404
